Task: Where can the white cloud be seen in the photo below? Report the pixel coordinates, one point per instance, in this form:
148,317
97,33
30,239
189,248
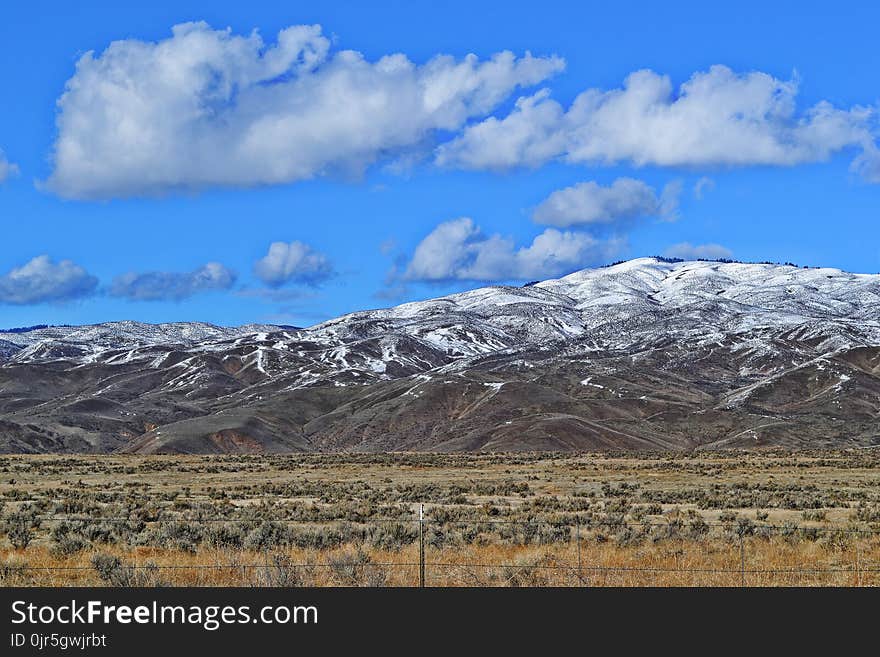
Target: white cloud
718,117
688,251
668,208
7,168
207,107
529,136
42,280
868,164
172,286
701,186
292,263
458,250
625,200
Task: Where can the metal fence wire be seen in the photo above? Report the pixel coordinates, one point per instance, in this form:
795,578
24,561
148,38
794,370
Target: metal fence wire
424,551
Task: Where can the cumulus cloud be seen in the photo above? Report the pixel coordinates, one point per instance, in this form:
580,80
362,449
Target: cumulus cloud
7,168
172,286
207,107
292,263
625,200
42,280
529,136
718,117
688,251
458,250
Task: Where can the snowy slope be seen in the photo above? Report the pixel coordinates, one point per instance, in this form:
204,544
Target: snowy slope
642,354
95,338
639,302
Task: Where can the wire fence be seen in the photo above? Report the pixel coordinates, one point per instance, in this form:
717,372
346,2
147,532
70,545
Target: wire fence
429,551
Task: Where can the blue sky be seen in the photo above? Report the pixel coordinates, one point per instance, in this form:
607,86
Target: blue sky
170,180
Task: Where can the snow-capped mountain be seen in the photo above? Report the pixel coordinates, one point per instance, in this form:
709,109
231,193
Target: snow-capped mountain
640,300
93,339
648,353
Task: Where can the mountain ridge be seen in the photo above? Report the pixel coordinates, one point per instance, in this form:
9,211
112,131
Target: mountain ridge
720,353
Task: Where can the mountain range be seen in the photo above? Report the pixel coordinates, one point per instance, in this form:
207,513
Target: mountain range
650,354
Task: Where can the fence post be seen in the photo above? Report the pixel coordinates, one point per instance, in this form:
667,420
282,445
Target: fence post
421,546
742,560
577,537
858,563
264,580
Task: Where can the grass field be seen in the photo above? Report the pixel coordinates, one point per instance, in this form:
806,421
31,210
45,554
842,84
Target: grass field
715,519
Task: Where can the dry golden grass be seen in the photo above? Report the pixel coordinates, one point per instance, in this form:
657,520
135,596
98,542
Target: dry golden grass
768,562
492,520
